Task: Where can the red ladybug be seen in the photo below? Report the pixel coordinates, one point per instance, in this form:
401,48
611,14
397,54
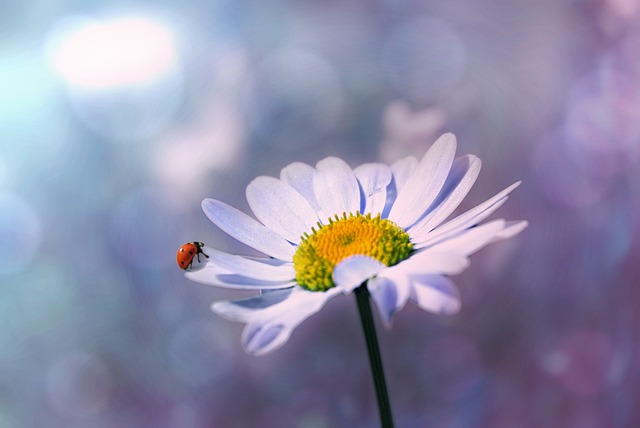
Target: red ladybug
187,252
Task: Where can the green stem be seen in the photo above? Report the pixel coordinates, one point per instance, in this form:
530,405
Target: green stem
364,307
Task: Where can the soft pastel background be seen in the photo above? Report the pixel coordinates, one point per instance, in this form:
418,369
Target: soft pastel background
118,118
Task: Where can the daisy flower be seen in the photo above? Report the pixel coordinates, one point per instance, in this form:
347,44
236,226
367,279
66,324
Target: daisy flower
327,230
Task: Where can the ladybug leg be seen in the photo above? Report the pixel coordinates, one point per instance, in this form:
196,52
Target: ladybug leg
198,255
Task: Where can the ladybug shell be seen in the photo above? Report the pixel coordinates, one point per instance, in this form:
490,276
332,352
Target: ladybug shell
186,253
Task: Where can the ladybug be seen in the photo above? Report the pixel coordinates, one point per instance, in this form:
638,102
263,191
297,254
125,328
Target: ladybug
187,252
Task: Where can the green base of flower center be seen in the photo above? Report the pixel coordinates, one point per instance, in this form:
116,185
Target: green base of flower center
356,234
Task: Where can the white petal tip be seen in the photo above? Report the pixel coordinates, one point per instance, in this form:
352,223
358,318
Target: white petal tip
262,340
388,325
436,294
207,203
354,270
387,320
447,138
227,311
446,143
451,308
512,229
472,160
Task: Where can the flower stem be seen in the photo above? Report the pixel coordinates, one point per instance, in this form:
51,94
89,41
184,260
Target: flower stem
364,307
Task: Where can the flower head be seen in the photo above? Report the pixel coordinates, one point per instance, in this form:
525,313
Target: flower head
326,230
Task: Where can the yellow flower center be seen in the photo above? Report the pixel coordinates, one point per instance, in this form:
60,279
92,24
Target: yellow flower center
357,234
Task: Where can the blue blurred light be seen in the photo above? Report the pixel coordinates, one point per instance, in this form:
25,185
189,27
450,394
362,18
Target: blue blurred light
293,97
27,89
132,114
201,353
423,58
79,386
20,234
144,228
563,180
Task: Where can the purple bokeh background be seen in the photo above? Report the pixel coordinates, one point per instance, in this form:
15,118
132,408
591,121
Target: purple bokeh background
102,174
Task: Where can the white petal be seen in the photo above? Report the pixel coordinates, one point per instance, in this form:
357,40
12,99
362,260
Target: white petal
463,175
245,310
336,187
385,294
400,280
511,229
299,176
280,208
450,263
247,230
425,182
250,267
212,274
354,270
435,293
402,170
468,241
464,220
374,179
266,333
260,339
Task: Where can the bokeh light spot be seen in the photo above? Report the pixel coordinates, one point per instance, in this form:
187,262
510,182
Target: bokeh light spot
603,120
215,142
111,53
583,363
123,74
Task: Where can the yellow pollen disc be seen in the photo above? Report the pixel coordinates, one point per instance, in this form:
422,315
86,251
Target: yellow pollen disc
356,234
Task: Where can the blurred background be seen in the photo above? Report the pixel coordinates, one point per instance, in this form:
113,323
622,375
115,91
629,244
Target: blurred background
118,118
